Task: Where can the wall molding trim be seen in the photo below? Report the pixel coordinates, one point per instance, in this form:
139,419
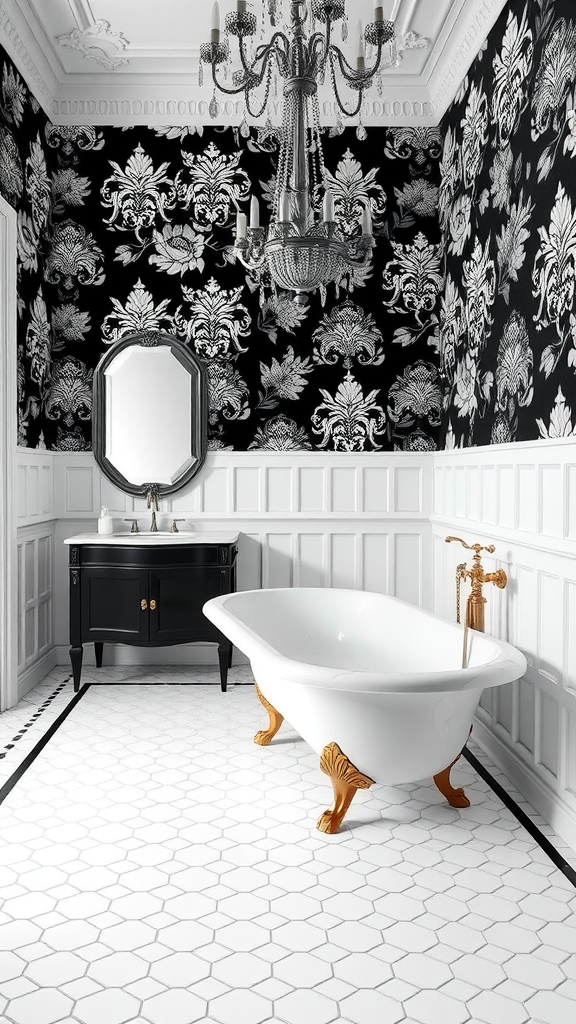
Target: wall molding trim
460,51
21,46
8,620
83,104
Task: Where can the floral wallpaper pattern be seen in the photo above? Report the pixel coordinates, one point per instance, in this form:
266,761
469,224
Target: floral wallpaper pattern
129,229
25,185
508,216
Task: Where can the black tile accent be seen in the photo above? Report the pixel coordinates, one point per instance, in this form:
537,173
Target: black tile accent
31,757
567,870
32,719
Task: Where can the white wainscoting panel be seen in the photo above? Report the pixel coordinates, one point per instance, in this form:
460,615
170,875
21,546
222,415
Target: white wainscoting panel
35,515
35,602
35,497
332,485
305,519
525,505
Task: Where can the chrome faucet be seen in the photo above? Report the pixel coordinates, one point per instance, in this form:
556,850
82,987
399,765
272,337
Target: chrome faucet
152,503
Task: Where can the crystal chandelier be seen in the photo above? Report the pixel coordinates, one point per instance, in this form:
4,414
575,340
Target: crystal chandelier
302,248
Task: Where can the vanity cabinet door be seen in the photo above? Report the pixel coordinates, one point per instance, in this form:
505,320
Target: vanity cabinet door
177,597
115,605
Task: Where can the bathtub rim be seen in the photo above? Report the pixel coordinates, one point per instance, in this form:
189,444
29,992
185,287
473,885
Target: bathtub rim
508,665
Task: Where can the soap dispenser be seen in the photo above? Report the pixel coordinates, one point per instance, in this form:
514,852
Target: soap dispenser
105,524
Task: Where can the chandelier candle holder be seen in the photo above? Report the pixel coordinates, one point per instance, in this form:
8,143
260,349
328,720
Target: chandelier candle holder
302,248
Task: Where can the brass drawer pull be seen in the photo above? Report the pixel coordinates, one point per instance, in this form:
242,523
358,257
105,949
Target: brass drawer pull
143,604
152,605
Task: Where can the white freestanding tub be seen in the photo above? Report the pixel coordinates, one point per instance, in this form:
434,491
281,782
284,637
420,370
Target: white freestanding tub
376,676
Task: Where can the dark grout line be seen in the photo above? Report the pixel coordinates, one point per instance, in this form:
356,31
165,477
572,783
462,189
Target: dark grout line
31,757
557,859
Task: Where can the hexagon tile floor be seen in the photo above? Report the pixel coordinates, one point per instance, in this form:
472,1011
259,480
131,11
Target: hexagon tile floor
156,867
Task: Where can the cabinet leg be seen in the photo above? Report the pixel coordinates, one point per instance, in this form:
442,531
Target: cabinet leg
98,648
76,659
224,658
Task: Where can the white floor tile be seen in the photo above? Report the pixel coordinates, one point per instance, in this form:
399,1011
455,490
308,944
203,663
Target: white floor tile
158,867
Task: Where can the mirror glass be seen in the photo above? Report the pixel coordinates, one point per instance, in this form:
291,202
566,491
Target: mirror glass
150,413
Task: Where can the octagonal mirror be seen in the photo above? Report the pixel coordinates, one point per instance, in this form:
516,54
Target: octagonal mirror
150,413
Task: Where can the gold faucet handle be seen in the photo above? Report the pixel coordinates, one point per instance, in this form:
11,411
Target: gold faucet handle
448,540
472,547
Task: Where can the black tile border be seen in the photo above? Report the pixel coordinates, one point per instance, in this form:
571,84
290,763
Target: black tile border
33,718
39,747
557,859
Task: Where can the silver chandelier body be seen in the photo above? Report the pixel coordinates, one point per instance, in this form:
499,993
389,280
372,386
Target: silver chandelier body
302,247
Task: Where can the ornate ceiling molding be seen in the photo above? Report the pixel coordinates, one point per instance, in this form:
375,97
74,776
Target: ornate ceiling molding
20,52
110,97
460,52
187,111
98,42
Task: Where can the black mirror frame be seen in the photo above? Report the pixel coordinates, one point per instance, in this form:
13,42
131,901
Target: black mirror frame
198,423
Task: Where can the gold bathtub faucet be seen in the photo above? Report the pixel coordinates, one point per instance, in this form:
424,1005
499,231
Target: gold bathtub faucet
477,576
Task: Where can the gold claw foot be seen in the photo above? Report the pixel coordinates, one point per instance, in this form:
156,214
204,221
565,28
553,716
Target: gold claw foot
455,797
265,735
346,779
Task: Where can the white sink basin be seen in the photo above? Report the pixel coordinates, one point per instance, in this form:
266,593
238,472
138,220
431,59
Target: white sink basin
163,535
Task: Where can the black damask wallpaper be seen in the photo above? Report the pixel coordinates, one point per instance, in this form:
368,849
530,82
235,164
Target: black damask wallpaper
508,213
139,233
25,185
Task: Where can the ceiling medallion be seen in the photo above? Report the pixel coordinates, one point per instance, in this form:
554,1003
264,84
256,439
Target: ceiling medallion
302,249
98,42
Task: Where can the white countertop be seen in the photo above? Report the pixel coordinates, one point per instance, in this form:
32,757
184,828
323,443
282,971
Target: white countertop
147,539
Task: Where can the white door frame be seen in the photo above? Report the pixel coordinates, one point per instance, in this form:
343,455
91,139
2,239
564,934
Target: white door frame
8,437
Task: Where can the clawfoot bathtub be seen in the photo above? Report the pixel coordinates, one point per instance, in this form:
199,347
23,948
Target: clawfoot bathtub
372,683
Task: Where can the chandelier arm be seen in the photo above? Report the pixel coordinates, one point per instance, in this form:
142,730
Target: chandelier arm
318,47
324,40
263,53
281,57
338,98
346,69
258,113
223,88
254,78
352,74
276,39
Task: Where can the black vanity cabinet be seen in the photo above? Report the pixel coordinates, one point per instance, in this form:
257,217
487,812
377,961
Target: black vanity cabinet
147,594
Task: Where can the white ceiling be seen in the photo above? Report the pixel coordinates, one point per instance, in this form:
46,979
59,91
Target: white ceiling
136,61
